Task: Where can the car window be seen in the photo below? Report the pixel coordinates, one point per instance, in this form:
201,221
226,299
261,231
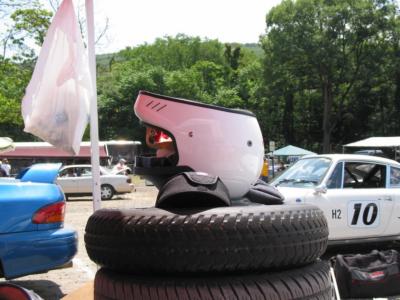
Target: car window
86,171
67,172
364,175
307,172
394,177
335,180
63,173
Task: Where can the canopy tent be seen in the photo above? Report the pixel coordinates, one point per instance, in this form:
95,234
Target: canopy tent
291,151
6,144
378,142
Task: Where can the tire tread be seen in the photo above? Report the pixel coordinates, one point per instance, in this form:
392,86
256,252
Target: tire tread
289,284
230,239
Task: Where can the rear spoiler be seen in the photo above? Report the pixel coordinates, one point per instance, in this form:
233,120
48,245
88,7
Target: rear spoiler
42,173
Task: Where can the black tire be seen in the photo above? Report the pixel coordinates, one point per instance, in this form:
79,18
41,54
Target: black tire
235,238
310,282
107,192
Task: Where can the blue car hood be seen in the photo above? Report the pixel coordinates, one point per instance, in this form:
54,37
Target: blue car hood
42,173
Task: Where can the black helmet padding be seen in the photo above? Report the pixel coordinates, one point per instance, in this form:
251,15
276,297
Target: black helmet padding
193,189
264,193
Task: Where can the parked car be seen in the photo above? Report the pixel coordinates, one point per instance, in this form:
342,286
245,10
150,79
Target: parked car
32,234
76,180
359,194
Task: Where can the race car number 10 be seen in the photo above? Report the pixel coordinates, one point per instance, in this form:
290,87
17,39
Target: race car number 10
363,213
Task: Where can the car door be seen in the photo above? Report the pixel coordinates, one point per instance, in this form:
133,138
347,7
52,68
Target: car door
68,180
356,202
394,187
85,180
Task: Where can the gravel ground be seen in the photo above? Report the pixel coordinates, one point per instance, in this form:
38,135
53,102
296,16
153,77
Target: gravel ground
57,283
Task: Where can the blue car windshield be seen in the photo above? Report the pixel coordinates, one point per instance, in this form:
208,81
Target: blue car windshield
307,172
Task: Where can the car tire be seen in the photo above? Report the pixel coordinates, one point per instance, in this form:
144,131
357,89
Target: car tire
235,238
107,192
309,282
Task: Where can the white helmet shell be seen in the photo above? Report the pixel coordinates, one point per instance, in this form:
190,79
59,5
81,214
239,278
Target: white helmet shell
211,139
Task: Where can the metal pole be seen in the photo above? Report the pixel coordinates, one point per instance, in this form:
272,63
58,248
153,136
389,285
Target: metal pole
335,286
94,131
273,166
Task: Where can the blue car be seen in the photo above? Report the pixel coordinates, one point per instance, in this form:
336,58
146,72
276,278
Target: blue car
32,234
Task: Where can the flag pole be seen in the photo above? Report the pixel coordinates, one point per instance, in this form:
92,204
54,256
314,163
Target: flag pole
94,130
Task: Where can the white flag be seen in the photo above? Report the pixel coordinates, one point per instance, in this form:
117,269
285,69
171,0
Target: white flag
55,107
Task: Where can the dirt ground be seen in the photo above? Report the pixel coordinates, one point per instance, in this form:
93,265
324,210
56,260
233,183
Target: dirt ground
57,283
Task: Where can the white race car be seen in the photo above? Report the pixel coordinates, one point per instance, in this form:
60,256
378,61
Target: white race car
359,194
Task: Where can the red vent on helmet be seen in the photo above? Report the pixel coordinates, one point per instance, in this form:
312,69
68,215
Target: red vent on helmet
156,137
53,213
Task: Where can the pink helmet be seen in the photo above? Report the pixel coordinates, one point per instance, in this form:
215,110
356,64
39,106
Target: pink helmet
193,136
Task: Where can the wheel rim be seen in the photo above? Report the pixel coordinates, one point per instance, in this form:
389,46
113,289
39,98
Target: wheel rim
106,192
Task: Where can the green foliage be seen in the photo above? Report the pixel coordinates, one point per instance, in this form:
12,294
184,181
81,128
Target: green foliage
174,53
27,22
328,50
32,23
13,80
181,66
325,73
228,97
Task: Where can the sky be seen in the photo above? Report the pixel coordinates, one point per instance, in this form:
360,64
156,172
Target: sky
133,22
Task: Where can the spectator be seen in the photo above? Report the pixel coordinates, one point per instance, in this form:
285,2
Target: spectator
71,173
6,167
2,172
121,165
264,171
281,166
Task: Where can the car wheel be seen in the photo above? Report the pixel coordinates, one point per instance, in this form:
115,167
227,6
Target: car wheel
107,192
235,238
310,282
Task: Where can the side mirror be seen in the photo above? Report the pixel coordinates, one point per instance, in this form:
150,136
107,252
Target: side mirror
321,189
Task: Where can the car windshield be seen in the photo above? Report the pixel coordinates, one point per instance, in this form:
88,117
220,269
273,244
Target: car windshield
307,172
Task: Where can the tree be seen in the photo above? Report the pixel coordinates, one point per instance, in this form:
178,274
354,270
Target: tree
25,21
176,53
322,45
101,27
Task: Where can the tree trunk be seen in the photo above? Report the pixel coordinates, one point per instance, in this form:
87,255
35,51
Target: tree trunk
288,126
397,98
382,114
326,124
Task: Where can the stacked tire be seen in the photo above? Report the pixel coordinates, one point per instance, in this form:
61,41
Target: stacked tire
247,251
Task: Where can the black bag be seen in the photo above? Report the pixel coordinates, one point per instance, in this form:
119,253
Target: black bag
375,274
